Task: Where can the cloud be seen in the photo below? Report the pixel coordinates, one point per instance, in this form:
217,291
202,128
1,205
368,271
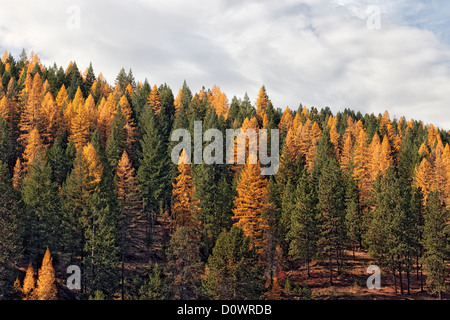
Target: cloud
319,53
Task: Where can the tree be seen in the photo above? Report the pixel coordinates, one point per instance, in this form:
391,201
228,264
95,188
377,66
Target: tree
153,172
42,209
361,170
331,215
129,200
31,113
46,282
218,100
183,264
262,102
154,100
185,206
302,226
10,241
117,140
232,271
250,205
156,287
435,243
29,284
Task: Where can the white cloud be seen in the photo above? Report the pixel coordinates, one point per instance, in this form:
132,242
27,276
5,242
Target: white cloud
312,52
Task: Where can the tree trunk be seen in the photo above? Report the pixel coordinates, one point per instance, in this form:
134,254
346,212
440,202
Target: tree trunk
331,267
400,278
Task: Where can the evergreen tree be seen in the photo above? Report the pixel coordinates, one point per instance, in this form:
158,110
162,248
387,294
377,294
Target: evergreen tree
331,215
156,287
153,172
40,196
183,264
302,232
117,140
436,243
10,241
232,271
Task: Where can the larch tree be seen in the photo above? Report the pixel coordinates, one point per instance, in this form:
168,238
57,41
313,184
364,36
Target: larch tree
185,206
129,200
154,100
424,177
250,205
361,170
31,113
262,103
46,282
51,118
218,100
29,284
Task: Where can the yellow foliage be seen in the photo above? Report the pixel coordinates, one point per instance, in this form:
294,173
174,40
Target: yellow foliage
46,283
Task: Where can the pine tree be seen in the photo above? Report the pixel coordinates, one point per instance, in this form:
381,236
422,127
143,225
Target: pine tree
153,172
117,140
183,264
156,287
302,226
435,243
40,196
331,215
10,241
46,282
232,271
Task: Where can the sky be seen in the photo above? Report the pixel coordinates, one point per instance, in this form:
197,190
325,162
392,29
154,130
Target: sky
365,55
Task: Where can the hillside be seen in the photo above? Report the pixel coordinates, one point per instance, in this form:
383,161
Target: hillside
87,172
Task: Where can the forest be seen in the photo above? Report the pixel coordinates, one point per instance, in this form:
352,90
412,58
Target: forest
87,180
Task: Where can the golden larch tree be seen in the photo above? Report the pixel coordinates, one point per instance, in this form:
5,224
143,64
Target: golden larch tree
286,120
262,102
46,283
106,114
375,155
33,147
361,160
17,174
250,205
177,101
30,117
219,101
185,206
346,154
130,125
334,139
51,119
424,177
386,158
154,100
29,283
